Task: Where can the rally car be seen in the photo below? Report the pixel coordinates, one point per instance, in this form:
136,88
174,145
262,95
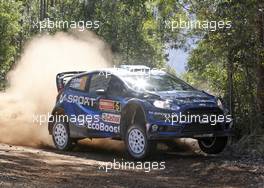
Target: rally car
140,107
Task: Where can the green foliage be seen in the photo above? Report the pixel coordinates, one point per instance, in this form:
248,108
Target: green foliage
206,69
9,33
226,60
135,30
126,29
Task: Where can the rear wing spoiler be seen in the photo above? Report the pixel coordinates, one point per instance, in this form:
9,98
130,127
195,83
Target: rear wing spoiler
63,77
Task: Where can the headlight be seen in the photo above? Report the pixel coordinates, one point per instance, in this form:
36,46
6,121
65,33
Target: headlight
162,104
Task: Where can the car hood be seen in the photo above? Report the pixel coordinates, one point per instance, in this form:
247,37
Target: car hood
183,97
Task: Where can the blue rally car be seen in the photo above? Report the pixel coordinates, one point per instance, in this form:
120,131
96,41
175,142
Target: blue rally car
138,105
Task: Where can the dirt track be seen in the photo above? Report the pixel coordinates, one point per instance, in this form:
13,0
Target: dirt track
23,166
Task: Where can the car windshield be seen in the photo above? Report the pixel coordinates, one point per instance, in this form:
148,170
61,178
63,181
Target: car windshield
163,82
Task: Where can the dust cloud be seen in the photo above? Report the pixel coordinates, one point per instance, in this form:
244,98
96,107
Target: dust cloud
32,89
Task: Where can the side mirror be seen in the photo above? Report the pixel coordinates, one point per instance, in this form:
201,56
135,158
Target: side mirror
100,92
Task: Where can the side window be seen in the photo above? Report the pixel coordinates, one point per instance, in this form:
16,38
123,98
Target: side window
99,81
79,83
116,87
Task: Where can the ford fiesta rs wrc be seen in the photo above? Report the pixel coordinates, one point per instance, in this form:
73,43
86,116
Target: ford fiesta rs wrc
139,106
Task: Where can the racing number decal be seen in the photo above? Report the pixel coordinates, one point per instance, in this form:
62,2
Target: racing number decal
117,106
109,105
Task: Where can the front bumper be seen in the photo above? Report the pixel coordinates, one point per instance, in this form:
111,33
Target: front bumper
162,132
159,128
162,135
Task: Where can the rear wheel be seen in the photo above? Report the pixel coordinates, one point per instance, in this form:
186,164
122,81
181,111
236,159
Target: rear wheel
138,146
61,136
213,145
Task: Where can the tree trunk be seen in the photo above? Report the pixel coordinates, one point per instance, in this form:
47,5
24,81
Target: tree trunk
230,70
41,10
260,88
260,65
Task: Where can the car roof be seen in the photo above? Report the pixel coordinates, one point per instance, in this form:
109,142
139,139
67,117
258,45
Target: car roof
123,72
131,67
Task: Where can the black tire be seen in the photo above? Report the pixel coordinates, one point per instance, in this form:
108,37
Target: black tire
137,144
61,136
213,145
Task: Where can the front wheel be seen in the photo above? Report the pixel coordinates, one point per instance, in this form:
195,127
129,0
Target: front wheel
213,145
138,146
61,136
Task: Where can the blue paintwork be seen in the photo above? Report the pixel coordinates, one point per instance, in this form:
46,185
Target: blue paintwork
180,99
